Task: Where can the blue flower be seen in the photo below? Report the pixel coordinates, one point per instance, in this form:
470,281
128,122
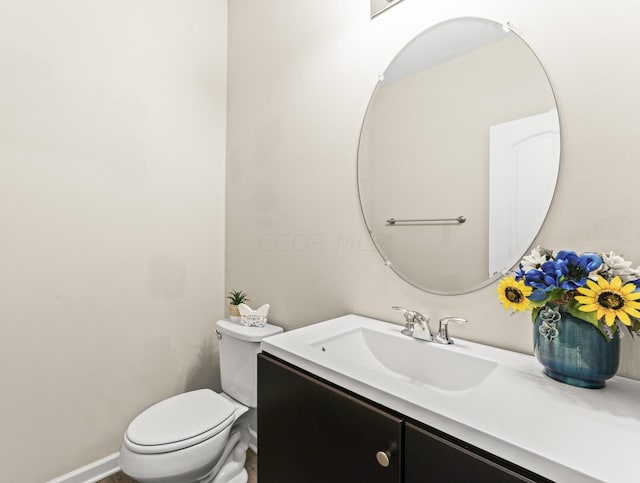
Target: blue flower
538,295
575,269
567,271
545,278
520,273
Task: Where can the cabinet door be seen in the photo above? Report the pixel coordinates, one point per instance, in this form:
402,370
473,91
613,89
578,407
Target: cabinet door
432,459
311,432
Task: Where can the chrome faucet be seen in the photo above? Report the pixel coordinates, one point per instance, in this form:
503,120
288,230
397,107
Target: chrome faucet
443,329
412,318
423,332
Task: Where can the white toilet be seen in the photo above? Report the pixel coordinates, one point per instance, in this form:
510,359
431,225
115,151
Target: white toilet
201,436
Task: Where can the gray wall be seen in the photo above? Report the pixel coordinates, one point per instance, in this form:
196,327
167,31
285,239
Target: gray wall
300,77
112,158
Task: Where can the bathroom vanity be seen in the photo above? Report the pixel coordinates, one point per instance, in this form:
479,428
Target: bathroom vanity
313,431
352,399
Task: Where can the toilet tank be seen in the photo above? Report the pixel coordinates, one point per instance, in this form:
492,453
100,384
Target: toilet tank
239,346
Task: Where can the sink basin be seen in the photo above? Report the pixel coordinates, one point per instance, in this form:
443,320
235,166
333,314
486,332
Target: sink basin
372,357
418,362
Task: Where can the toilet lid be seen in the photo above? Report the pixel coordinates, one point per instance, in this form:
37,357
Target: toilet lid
181,418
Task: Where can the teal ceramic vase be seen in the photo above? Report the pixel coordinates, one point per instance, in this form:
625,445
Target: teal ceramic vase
573,351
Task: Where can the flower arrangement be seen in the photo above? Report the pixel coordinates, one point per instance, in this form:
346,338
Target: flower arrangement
600,289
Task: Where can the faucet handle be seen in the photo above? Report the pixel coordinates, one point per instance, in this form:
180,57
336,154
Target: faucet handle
409,320
421,317
409,315
443,329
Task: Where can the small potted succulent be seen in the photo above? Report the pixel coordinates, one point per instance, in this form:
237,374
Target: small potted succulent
236,297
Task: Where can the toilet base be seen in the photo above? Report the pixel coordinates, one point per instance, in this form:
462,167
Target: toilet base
230,468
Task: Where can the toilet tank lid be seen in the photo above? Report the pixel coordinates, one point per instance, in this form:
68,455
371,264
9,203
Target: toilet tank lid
243,332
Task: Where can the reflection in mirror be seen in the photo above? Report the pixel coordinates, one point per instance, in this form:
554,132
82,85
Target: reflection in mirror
463,123
379,6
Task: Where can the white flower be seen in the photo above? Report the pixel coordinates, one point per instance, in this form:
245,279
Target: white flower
615,262
614,265
536,258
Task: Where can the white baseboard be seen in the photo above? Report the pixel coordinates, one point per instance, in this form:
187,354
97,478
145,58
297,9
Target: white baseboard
92,472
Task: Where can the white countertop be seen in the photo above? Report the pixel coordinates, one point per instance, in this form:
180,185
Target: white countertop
562,432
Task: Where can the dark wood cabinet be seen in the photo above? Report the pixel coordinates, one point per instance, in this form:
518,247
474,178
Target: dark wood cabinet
311,431
431,458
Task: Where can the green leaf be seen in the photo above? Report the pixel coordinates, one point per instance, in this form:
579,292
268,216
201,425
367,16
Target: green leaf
589,317
535,312
236,297
552,296
556,294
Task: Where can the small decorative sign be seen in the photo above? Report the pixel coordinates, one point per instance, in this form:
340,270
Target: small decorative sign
253,318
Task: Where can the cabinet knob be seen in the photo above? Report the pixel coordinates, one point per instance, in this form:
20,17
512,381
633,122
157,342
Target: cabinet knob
384,458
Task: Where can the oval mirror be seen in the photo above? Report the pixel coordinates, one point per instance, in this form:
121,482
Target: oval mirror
458,156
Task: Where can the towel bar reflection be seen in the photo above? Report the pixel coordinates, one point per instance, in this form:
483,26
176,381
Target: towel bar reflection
428,221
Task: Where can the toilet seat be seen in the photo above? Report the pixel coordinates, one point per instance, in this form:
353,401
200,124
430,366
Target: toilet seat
179,422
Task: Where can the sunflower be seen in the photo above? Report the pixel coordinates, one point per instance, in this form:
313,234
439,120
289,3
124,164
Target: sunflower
611,300
513,294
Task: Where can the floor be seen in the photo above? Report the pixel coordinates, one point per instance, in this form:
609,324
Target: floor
251,465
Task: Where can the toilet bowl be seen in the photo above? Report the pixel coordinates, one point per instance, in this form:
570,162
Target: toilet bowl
183,438
201,436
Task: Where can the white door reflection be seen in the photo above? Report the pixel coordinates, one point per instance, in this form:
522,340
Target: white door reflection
523,166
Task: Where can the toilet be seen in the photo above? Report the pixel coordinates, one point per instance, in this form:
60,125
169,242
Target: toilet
202,436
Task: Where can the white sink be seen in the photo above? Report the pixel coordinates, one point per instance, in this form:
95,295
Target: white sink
362,351
414,361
